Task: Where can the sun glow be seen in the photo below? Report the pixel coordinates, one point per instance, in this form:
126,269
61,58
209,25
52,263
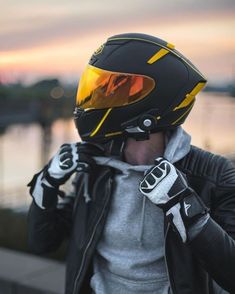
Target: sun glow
204,40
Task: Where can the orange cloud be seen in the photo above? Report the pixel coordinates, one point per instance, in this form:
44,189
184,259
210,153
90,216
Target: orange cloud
207,39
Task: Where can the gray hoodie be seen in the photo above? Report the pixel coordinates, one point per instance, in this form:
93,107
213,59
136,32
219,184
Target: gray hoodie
130,255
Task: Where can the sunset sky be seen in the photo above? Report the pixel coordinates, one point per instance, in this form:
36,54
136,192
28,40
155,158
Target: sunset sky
56,38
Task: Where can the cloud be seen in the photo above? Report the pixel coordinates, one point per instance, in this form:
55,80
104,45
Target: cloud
56,37
46,22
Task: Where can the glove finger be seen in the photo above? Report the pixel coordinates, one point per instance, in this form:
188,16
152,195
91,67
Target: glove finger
158,171
159,160
143,185
65,156
87,159
65,149
65,145
148,184
66,163
148,181
90,149
68,156
155,175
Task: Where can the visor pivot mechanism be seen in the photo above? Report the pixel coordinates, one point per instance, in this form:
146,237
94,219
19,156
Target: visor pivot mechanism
147,122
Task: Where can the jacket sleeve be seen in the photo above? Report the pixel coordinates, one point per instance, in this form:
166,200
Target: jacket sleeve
47,228
215,244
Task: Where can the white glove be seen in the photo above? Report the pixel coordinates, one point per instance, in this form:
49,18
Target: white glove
165,186
64,163
57,172
44,187
39,188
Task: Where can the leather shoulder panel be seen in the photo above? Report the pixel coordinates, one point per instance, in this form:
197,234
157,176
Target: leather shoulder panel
214,168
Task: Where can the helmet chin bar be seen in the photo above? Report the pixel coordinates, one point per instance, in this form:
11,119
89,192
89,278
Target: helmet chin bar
138,128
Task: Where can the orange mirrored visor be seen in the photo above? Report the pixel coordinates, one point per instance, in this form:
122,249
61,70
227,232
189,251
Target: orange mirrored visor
100,88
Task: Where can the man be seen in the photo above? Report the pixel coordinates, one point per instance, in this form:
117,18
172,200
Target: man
151,213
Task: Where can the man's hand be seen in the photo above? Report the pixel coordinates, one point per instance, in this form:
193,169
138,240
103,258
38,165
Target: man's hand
73,157
63,164
165,186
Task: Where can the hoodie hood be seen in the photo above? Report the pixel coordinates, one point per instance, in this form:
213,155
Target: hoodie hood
177,147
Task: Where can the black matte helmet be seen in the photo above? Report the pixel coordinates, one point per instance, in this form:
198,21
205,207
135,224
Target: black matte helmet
134,85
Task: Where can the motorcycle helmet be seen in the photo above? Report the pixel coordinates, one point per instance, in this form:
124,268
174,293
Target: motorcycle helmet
135,84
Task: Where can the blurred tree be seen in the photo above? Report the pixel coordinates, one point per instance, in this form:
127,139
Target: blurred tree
232,89
41,103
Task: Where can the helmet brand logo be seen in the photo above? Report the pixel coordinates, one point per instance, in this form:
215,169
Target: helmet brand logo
99,50
186,207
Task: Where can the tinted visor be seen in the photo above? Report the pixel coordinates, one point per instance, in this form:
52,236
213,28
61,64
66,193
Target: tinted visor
100,88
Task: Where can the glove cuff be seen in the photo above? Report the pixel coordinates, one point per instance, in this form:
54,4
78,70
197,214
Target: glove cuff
50,196
55,182
42,192
177,199
184,214
192,208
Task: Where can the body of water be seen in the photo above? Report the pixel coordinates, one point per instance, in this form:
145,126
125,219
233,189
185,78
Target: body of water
210,123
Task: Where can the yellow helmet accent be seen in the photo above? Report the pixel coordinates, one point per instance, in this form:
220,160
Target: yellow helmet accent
101,122
170,46
191,96
162,52
186,112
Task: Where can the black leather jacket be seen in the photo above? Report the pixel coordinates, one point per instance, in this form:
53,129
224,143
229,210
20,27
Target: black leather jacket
191,267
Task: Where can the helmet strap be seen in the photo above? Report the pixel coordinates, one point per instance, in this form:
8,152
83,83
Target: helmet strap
116,146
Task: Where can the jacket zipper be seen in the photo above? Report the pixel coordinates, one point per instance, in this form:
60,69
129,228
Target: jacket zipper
167,269
89,243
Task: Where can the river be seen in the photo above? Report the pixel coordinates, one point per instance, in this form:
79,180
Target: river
210,123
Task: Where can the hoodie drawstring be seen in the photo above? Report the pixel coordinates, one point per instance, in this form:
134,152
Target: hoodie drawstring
142,221
86,187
